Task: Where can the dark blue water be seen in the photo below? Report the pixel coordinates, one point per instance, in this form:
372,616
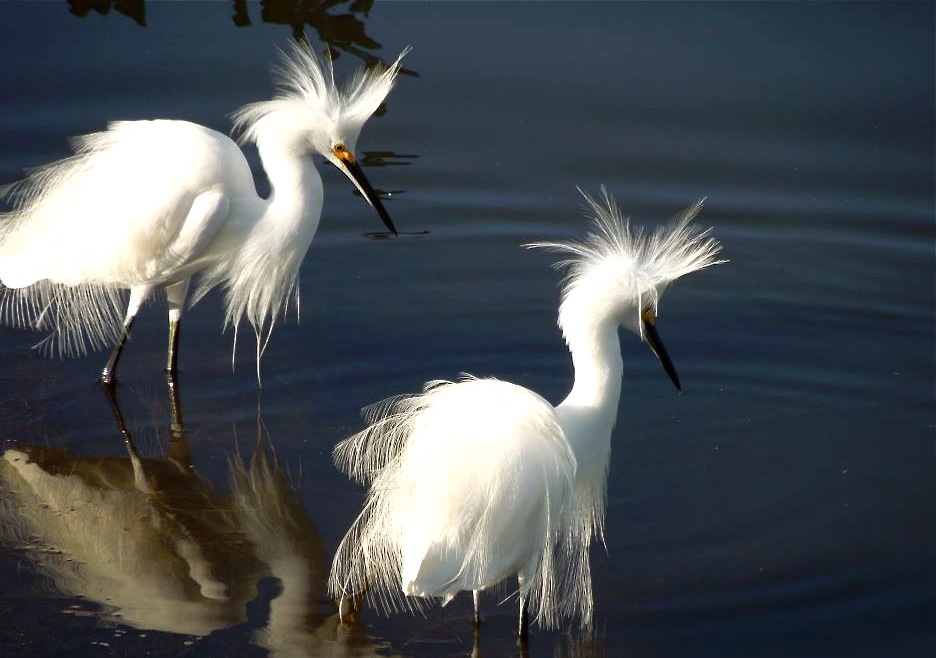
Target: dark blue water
782,506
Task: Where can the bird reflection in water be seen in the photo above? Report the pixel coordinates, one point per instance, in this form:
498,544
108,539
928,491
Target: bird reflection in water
158,548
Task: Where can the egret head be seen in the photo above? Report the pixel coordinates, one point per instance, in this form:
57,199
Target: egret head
342,156
311,114
618,274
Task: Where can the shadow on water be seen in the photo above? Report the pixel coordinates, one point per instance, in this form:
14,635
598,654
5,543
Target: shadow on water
132,9
340,24
158,548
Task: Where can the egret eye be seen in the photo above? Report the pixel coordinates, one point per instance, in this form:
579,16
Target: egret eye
341,152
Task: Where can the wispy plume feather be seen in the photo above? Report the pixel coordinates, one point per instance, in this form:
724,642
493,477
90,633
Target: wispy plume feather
654,259
617,268
461,501
306,84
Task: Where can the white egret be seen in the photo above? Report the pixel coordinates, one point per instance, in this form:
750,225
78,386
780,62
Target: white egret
146,205
476,481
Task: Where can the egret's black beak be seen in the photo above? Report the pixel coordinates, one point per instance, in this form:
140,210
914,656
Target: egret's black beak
652,339
356,174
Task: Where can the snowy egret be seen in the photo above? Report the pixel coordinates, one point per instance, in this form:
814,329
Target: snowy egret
476,481
148,205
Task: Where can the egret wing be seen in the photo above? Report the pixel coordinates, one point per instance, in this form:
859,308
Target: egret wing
107,214
205,217
474,482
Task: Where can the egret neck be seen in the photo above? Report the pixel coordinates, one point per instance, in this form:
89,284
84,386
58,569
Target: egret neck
589,412
296,196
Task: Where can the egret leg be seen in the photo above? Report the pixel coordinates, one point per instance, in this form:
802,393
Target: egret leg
476,597
175,403
175,295
108,374
171,355
348,608
178,453
523,626
476,642
137,296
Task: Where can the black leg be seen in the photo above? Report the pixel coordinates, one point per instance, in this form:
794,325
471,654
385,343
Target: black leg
109,374
175,402
476,642
172,355
523,628
476,597
179,453
349,606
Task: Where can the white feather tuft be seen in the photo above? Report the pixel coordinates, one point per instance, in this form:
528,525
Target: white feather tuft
471,482
78,319
616,270
306,86
54,278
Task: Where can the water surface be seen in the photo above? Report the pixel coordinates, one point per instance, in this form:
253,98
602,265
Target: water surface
783,505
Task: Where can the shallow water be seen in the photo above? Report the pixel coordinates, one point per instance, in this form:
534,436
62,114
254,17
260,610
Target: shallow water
783,505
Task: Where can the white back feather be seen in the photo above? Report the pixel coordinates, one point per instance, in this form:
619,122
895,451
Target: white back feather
81,317
452,456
